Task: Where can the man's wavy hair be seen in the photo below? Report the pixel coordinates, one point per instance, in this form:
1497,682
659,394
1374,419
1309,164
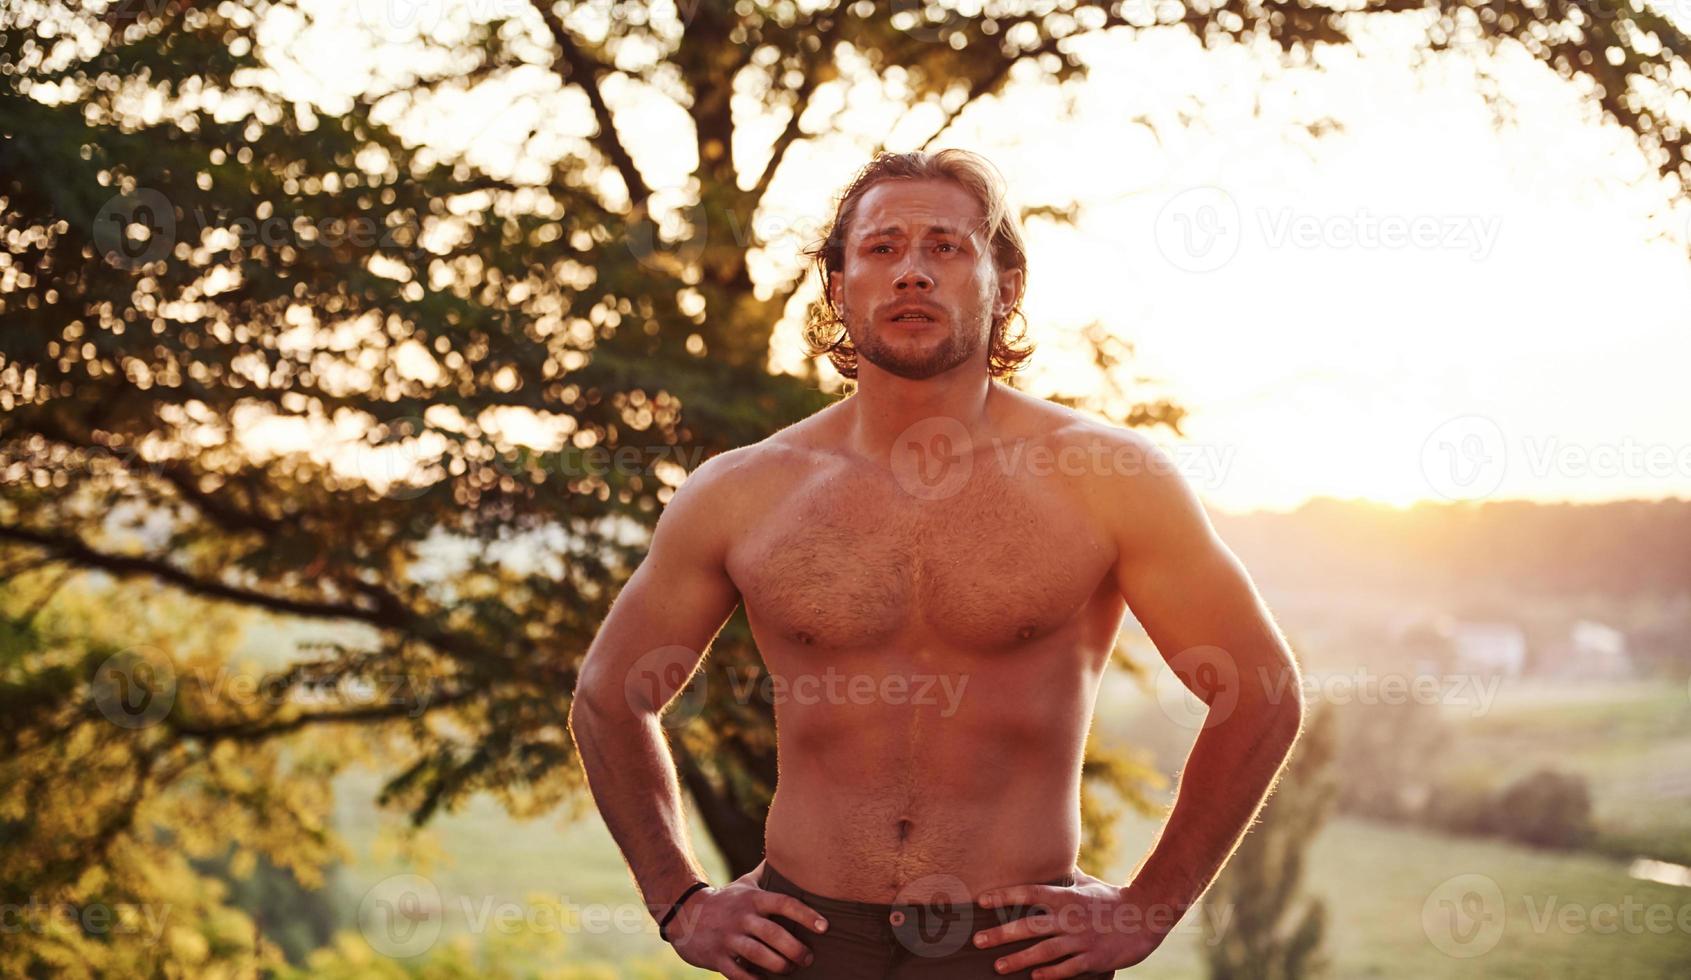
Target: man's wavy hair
824,329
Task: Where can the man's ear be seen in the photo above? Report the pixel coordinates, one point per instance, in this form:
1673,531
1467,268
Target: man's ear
836,292
1009,290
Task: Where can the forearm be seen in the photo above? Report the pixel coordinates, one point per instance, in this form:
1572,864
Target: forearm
1225,781
631,776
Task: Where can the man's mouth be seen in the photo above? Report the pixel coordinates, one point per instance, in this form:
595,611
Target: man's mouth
913,318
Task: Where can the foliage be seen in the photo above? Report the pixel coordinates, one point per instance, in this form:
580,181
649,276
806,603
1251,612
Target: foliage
297,919
1390,758
194,272
102,813
350,957
1386,755
1547,808
1462,805
1112,782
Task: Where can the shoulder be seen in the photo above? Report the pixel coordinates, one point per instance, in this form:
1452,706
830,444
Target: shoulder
730,482
704,516
1133,487
1104,455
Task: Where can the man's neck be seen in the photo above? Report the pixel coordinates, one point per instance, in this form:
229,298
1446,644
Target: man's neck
885,406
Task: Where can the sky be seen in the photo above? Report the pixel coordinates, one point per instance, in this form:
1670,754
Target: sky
1417,304
1510,348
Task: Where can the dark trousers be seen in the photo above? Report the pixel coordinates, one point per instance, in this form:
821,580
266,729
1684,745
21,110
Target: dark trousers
866,941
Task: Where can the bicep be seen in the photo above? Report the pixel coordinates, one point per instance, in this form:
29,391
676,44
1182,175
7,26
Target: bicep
659,626
1191,593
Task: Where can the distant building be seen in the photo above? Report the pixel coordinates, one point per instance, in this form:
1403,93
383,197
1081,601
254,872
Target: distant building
1591,650
1489,648
1438,642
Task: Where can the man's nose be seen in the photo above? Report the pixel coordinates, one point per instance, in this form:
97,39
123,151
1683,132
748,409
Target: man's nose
913,277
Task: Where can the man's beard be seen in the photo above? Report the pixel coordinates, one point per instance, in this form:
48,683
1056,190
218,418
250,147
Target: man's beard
916,357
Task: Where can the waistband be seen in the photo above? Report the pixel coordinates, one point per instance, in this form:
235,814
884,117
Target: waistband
773,880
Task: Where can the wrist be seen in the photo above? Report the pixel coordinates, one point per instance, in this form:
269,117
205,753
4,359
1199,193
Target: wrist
667,920
661,896
1153,913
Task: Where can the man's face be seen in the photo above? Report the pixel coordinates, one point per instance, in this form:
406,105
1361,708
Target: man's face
919,243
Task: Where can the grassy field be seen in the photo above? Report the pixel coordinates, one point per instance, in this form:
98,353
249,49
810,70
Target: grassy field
1630,740
1377,882
1389,891
486,859
1547,912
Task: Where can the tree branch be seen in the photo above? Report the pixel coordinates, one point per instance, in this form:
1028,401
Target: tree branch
981,87
801,96
984,85
74,549
47,595
584,71
250,732
26,565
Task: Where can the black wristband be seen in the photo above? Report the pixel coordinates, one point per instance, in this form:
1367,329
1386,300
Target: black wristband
676,907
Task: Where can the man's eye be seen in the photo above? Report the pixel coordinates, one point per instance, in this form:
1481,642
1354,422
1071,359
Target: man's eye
946,245
877,248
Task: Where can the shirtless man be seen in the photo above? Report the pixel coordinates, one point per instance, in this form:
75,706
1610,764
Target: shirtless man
936,525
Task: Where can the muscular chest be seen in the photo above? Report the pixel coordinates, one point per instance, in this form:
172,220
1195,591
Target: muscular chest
850,561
